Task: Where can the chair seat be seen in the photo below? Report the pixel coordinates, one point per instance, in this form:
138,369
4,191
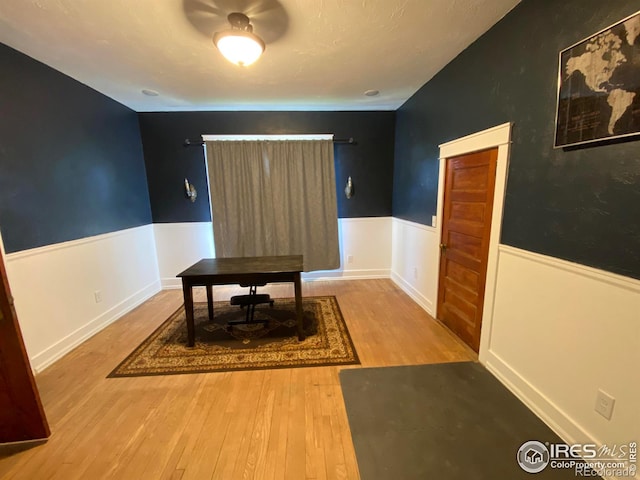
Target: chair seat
250,301
255,299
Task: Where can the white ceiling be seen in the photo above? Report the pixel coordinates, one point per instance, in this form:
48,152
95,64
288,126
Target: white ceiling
320,54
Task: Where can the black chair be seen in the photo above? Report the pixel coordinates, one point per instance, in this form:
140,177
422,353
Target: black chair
250,301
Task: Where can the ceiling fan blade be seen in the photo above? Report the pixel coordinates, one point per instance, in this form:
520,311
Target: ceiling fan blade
269,18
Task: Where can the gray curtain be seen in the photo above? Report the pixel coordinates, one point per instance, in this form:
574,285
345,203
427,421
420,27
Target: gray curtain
275,197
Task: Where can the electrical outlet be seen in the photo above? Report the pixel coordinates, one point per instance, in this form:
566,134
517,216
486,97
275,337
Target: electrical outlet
98,296
349,258
604,404
434,220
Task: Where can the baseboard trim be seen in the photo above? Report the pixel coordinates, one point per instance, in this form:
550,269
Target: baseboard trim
363,274
558,420
170,283
419,298
56,351
552,415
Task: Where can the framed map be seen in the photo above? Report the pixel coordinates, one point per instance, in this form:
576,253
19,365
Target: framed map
599,86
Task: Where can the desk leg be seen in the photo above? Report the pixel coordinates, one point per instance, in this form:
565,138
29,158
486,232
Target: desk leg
298,290
188,312
210,301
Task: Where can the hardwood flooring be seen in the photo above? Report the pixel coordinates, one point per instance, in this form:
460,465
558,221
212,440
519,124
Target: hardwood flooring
266,424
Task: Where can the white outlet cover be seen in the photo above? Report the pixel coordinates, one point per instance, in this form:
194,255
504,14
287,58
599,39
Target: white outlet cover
434,220
604,404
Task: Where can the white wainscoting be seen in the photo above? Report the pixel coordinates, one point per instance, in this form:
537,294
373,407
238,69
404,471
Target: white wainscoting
180,245
365,247
414,261
366,240
560,332
54,288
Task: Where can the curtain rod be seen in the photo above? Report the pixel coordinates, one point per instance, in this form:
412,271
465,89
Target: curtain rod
198,143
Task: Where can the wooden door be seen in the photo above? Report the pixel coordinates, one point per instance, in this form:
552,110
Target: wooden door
21,413
464,248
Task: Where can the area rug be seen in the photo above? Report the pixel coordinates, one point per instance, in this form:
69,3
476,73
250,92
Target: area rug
446,421
220,347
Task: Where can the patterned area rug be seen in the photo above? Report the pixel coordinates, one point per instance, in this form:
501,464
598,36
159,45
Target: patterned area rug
221,348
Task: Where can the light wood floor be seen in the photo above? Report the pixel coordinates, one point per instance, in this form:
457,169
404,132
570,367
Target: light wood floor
269,424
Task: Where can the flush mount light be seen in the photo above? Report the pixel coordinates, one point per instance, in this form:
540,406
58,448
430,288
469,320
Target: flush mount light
239,45
371,93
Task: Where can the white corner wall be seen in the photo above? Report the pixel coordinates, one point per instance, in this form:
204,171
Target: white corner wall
365,246
180,245
54,288
560,332
414,264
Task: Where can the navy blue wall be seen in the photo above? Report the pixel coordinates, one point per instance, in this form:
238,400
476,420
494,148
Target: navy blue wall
71,162
583,204
168,162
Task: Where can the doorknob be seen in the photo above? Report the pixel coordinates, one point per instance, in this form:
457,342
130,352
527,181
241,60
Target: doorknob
443,247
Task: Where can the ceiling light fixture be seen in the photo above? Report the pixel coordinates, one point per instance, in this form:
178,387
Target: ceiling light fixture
239,45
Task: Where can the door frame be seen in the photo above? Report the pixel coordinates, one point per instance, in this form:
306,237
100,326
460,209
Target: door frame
22,385
495,137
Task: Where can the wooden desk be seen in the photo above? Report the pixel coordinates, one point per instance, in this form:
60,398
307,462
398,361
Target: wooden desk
241,270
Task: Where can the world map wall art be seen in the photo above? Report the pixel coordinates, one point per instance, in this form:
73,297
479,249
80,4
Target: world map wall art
599,86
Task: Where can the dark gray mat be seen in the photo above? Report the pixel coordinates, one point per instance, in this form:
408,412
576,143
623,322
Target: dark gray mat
445,421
